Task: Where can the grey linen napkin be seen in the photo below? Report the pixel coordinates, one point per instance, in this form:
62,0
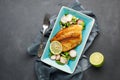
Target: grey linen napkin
46,72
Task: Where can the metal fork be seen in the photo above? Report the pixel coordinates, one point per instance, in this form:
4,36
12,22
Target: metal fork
46,24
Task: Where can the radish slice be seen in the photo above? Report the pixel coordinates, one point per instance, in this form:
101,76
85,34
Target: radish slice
53,57
73,53
63,60
67,18
58,57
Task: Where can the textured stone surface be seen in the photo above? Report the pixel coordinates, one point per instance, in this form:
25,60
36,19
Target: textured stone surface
20,21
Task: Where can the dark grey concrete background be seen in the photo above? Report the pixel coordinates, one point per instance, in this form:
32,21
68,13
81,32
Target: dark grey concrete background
20,21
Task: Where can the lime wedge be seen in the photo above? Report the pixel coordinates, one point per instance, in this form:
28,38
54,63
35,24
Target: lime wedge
96,59
55,47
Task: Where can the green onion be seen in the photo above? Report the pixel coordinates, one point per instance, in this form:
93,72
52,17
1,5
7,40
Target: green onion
72,58
66,14
68,24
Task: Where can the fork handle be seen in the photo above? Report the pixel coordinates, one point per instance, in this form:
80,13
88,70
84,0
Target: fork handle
40,50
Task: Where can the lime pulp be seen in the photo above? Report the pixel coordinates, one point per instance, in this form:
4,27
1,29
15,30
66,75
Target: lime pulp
96,59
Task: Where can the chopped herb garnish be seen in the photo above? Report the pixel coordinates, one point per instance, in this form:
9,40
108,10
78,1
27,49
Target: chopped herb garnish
72,58
66,14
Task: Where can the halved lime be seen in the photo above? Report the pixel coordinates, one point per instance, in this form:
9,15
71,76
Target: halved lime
55,47
96,59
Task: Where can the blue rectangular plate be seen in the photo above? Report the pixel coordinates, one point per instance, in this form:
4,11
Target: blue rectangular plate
89,22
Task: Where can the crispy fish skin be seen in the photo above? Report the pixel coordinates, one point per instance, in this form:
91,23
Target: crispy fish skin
71,31
69,34
70,43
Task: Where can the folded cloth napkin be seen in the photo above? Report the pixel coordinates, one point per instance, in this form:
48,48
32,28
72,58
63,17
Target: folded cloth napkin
46,72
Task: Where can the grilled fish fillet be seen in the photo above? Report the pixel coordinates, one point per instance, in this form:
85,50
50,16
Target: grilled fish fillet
69,37
72,31
70,43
